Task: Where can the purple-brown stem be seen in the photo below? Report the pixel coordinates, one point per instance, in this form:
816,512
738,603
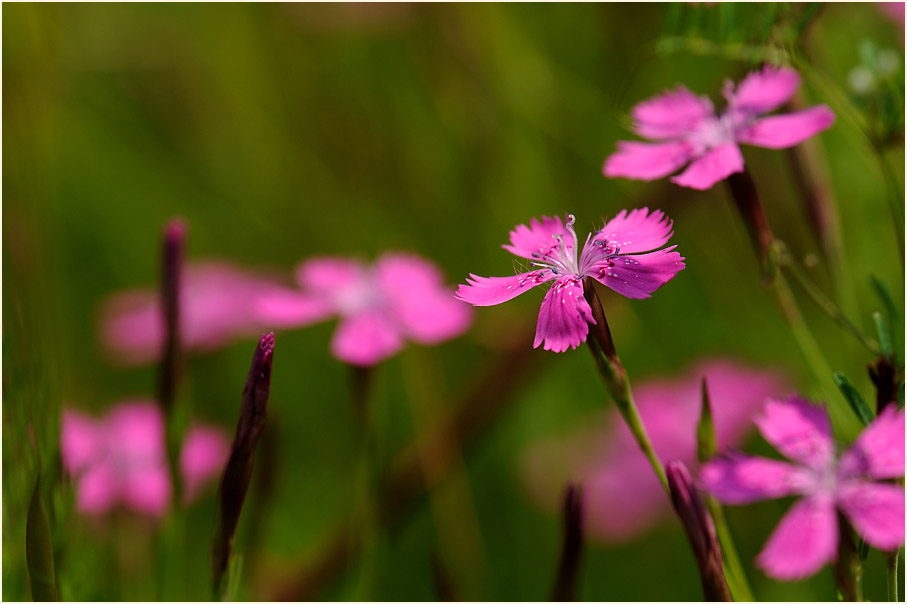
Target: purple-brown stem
171,275
743,191
237,473
700,530
572,549
444,585
884,376
600,332
848,570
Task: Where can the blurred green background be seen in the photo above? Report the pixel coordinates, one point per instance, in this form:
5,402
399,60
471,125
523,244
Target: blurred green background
282,131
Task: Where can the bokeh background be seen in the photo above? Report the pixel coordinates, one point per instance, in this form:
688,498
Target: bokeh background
282,131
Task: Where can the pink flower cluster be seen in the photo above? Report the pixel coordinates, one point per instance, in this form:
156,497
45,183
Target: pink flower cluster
687,130
613,256
807,537
121,459
624,498
401,297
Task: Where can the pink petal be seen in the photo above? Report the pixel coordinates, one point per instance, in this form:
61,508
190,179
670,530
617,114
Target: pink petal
135,433
804,541
638,275
766,90
638,231
327,274
799,430
671,114
97,490
488,291
737,479
787,130
876,511
564,316
202,457
416,296
646,161
622,494
217,305
147,490
290,308
537,238
879,450
715,165
366,338
81,441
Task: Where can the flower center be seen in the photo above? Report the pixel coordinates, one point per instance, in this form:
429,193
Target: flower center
561,259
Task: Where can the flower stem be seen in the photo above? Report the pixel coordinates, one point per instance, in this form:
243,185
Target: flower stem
783,258
891,567
616,381
740,587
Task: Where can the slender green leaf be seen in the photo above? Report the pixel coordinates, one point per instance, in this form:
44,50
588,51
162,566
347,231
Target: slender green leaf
706,446
39,554
882,333
859,406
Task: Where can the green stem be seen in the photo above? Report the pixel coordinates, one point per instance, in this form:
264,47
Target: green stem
734,572
616,381
895,197
782,258
891,568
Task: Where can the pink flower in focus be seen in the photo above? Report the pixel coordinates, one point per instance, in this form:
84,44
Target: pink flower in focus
687,130
217,304
807,537
400,297
202,458
624,498
122,459
612,256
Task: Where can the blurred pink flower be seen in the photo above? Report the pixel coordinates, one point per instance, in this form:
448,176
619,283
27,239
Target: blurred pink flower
807,537
122,459
204,453
687,130
399,297
893,11
611,256
218,304
624,498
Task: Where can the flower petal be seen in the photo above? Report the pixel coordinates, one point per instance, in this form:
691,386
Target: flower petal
147,490
876,511
737,479
804,541
638,275
202,457
646,161
766,90
671,114
81,440
638,231
327,274
488,291
290,308
421,304
714,165
366,338
537,238
879,450
97,491
787,130
564,316
799,430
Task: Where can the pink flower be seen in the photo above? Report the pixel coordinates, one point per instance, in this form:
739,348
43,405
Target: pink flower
217,305
807,537
401,297
122,459
612,256
687,130
623,496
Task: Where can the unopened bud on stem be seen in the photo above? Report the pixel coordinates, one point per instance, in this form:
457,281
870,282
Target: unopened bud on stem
700,532
235,480
568,570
